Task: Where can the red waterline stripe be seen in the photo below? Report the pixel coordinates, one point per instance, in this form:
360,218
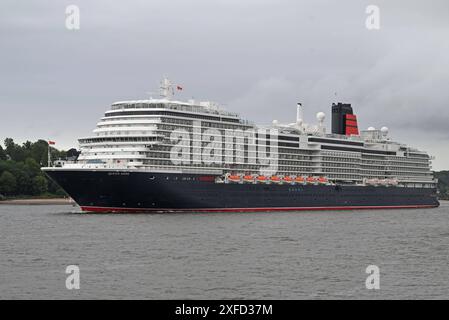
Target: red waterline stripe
115,209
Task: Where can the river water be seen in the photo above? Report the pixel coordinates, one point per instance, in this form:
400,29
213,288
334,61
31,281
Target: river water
282,255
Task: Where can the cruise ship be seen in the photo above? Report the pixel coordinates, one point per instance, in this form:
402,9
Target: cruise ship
165,155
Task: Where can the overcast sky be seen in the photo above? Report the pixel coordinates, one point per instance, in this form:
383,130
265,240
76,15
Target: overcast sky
255,57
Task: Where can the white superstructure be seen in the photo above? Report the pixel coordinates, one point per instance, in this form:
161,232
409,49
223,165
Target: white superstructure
139,135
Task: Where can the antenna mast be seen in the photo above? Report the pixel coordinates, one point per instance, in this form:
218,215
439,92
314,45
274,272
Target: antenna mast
166,89
299,114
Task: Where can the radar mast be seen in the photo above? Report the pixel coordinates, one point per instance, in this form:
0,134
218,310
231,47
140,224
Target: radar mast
166,89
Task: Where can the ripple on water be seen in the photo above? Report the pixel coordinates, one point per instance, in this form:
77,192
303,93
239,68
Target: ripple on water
291,255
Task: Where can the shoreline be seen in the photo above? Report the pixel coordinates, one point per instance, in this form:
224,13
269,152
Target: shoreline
41,201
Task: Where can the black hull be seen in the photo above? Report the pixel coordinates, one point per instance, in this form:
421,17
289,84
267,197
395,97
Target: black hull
123,191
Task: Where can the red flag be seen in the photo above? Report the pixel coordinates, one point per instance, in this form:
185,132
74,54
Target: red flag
51,142
178,87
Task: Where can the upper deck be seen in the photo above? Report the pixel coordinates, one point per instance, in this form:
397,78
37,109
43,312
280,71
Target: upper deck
206,109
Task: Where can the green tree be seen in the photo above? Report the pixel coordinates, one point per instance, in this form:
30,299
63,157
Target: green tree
27,145
73,153
39,151
443,183
9,143
16,152
23,182
2,154
7,183
39,185
23,162
32,167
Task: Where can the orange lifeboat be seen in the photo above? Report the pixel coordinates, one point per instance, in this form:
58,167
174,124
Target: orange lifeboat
234,178
287,179
322,180
299,179
261,179
275,179
248,178
311,180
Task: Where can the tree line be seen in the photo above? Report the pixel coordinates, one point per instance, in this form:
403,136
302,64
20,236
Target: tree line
20,169
443,184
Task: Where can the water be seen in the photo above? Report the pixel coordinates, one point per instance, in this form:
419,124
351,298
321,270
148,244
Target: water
297,255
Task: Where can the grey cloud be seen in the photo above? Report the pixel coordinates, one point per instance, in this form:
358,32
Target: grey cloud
256,57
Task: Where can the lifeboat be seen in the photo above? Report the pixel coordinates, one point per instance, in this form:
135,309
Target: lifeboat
393,182
234,178
287,179
275,179
311,180
322,180
261,179
299,179
248,178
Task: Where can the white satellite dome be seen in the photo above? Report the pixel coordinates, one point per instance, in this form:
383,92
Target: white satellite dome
320,116
275,122
371,128
384,130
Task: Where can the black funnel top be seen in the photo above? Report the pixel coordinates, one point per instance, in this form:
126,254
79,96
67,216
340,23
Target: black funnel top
339,111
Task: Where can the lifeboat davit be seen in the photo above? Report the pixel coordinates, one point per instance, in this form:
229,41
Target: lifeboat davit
261,179
322,180
311,180
299,179
248,178
275,179
234,178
